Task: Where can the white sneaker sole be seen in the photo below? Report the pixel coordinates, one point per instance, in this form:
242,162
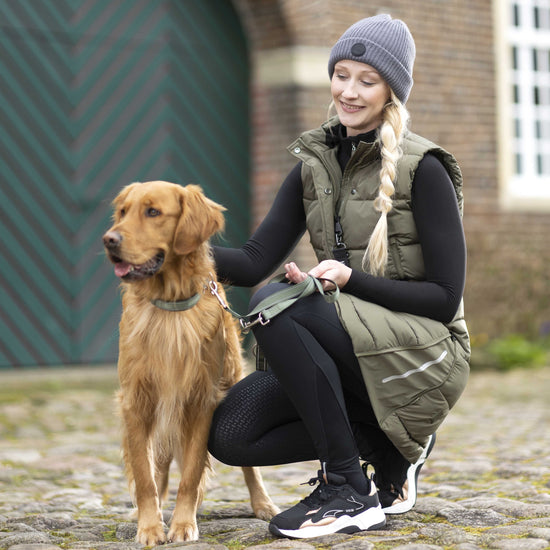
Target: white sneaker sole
412,478
370,519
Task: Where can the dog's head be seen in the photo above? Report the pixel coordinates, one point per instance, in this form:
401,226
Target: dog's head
155,222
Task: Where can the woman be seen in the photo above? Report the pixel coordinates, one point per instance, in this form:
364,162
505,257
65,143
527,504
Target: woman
372,376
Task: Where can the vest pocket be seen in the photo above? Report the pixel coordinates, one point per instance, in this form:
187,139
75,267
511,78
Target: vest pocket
411,423
405,261
423,416
410,426
395,269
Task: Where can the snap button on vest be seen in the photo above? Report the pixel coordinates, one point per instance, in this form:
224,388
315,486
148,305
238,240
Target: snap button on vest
328,191
297,150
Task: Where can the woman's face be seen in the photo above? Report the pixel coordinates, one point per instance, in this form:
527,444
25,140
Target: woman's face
359,94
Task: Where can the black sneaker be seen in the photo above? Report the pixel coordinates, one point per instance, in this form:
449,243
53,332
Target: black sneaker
398,496
333,507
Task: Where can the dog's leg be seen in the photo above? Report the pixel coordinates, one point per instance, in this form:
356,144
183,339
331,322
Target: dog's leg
139,455
162,471
193,461
262,505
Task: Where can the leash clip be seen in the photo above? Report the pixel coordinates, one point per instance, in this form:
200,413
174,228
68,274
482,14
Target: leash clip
214,291
246,325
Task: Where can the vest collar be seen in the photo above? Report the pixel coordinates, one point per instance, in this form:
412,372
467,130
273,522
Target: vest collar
336,135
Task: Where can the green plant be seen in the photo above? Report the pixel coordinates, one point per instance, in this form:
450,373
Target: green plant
512,351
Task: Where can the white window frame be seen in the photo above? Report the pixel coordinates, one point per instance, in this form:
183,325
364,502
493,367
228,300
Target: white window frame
524,123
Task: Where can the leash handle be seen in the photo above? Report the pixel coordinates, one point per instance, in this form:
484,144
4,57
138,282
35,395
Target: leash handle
283,299
278,301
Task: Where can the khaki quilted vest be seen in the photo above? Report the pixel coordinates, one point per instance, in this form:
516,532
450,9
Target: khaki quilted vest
414,368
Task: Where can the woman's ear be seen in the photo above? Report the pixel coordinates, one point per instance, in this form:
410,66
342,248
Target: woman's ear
200,219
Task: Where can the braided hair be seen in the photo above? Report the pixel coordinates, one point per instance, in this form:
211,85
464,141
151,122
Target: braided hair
395,118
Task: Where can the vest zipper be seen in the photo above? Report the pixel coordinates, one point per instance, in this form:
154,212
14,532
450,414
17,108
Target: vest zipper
333,177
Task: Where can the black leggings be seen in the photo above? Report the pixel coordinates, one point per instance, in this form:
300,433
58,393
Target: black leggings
311,404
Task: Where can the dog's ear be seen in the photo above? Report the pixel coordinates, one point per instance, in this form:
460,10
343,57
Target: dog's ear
200,219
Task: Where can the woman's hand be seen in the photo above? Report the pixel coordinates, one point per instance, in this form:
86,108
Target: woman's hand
294,274
333,270
327,269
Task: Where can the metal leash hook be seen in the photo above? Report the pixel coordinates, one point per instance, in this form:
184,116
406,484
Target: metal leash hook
214,291
246,325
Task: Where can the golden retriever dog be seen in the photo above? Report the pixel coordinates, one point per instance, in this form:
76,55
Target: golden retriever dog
174,365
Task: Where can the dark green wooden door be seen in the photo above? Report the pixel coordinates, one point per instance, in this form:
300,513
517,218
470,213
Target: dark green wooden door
97,94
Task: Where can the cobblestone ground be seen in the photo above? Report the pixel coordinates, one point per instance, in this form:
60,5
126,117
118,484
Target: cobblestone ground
486,484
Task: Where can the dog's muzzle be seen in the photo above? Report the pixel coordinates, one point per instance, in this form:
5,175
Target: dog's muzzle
125,270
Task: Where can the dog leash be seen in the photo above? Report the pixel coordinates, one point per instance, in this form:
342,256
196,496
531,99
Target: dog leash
278,301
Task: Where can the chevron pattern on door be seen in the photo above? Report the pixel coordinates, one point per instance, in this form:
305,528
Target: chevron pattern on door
97,94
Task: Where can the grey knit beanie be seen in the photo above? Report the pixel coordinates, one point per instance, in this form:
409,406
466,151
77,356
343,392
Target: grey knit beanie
383,43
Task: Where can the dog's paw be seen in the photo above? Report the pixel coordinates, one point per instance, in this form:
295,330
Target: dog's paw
151,536
265,510
180,532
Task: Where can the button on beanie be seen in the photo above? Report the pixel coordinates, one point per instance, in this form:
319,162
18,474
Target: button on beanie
383,43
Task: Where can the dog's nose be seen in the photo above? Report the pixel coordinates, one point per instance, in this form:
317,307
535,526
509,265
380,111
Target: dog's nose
112,239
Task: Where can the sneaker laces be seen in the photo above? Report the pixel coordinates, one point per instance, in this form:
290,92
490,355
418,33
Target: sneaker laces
321,494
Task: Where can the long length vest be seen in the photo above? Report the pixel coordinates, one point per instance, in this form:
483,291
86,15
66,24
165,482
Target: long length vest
414,368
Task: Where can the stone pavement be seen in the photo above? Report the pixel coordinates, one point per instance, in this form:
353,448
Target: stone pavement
486,484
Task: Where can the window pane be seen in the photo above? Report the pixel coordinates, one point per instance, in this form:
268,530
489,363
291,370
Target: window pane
518,164
515,15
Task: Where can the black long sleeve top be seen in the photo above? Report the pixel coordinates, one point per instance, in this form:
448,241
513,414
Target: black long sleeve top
439,227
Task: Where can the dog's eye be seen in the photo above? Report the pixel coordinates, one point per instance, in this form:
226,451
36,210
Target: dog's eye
152,212
122,212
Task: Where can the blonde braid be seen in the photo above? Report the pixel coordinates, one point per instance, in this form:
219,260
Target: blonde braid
394,124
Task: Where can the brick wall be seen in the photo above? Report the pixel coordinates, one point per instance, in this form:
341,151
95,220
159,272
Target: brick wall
453,103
